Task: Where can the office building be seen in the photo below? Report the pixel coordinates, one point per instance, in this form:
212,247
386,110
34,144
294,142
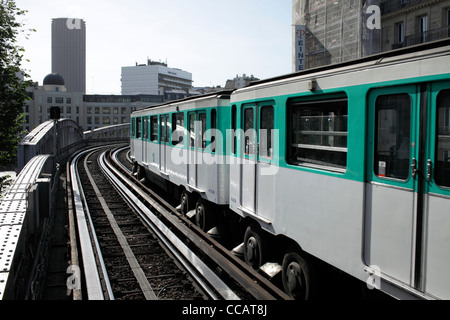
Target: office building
69,52
154,78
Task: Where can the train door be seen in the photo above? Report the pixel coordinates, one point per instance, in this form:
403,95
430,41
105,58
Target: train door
401,161
145,145
437,220
248,165
258,174
197,128
164,140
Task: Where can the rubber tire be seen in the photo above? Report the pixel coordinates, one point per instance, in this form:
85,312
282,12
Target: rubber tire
186,202
140,173
297,276
204,218
254,246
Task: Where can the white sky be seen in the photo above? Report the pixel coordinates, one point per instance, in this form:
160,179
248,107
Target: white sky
213,40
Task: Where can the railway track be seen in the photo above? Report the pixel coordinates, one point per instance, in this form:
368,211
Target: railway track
144,248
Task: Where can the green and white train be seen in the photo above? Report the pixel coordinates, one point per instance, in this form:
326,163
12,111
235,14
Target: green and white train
347,165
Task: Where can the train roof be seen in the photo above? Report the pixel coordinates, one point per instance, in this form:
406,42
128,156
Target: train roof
376,58
224,94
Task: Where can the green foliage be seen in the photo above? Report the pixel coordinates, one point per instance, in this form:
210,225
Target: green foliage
12,88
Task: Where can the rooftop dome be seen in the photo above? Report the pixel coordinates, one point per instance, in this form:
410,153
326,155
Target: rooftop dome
54,79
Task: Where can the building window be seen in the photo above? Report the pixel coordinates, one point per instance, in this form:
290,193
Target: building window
49,100
68,100
123,110
68,109
423,28
399,32
89,120
97,110
116,110
106,120
59,100
448,22
106,110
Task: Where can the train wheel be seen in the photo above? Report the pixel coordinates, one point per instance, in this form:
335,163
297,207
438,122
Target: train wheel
140,173
203,215
297,276
185,201
254,244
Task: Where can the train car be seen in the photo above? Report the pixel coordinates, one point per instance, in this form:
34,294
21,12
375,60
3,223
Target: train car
349,165
345,165
179,146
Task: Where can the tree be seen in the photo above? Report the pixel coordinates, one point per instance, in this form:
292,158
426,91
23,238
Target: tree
13,94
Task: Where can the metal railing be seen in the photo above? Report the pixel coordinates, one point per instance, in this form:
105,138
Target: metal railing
422,37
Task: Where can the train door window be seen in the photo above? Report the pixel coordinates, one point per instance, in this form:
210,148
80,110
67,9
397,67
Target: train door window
154,128
145,128
177,129
202,127
164,129
133,127
138,128
213,129
249,131
442,166
192,129
266,127
318,134
234,128
392,136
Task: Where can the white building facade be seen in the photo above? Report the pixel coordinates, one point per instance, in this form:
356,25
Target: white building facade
154,78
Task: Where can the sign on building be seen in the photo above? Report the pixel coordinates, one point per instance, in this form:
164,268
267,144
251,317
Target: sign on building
300,47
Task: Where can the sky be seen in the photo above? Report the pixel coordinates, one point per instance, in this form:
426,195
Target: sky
214,40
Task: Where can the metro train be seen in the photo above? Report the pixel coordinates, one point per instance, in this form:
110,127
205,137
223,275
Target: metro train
347,165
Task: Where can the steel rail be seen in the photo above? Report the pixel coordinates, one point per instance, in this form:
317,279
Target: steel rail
89,245
131,258
220,255
185,256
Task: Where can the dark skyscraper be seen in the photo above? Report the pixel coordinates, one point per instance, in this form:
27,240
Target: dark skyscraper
69,52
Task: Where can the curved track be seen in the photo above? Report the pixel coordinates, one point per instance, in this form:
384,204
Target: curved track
211,267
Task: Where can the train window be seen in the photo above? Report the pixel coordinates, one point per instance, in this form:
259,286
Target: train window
145,128
392,136
164,129
266,132
133,127
318,134
192,129
213,129
154,128
177,129
138,128
442,166
234,128
249,131
202,120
